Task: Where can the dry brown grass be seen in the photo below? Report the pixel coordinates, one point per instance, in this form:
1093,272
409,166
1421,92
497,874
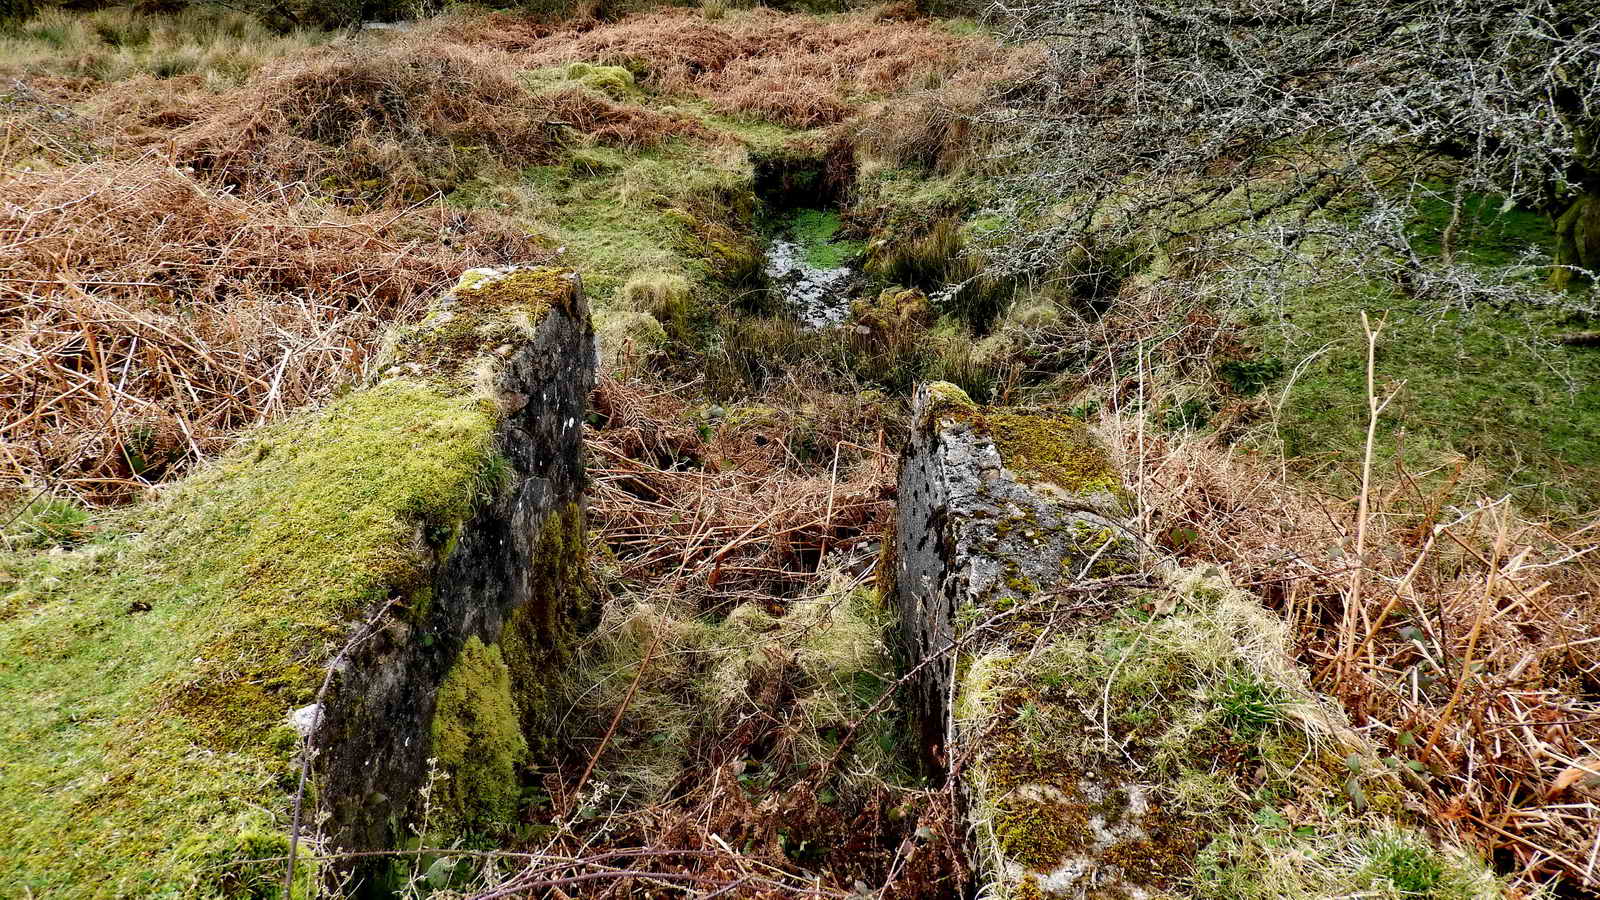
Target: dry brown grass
776,505
789,69
168,282
729,512
948,125
401,121
146,316
1476,647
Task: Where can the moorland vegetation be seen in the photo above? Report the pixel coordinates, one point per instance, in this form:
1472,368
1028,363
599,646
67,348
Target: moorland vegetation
1321,275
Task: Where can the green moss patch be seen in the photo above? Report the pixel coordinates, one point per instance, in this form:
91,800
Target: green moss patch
1038,446
945,401
489,311
1040,834
615,82
146,748
534,641
477,741
1183,754
1051,447
817,232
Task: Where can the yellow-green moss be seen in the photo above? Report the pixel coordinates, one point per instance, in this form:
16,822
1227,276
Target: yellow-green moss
487,311
478,742
945,400
1051,447
613,81
533,291
1039,834
893,311
885,573
616,82
1028,889
146,748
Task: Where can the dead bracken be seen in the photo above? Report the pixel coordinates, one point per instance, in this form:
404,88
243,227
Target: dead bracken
415,479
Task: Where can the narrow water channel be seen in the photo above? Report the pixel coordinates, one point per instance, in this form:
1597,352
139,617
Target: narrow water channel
815,269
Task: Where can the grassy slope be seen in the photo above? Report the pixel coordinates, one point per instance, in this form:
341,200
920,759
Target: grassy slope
619,213
1492,385
148,673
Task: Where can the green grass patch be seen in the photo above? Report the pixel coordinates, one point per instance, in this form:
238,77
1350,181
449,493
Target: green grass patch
1492,385
1489,231
618,214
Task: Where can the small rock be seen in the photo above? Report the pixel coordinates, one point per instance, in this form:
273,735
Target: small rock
304,719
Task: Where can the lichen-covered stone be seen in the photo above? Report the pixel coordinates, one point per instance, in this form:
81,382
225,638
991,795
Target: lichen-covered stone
490,312
997,509
1103,734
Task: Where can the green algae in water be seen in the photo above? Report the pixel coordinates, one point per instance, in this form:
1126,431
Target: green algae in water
809,266
814,230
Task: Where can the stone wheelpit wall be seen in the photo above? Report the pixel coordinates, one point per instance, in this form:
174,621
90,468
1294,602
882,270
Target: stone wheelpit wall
996,509
1115,727
460,675
162,676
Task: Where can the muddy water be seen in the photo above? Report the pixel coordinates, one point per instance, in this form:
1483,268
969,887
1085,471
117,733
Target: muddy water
810,265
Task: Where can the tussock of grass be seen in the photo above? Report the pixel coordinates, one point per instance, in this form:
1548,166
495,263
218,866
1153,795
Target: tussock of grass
707,676
221,46
404,119
43,522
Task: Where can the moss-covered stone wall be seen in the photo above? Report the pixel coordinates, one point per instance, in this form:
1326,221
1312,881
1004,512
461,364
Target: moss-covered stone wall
507,597
160,670
998,508
1120,727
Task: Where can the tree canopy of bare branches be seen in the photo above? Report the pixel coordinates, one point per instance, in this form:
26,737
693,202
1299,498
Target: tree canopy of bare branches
1165,118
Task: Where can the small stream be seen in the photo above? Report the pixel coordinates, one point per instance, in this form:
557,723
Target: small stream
811,266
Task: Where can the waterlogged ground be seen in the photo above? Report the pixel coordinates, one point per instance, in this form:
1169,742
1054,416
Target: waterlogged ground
809,262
